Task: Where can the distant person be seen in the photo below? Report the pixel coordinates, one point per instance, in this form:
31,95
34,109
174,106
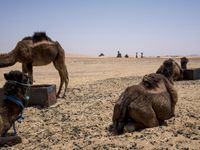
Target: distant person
119,55
142,55
136,56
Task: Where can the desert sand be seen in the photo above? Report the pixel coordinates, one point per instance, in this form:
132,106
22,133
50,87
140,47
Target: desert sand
81,120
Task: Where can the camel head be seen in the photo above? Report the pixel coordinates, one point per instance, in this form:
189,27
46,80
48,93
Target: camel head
184,62
17,85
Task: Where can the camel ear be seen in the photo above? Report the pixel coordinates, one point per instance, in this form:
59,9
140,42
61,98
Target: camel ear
6,76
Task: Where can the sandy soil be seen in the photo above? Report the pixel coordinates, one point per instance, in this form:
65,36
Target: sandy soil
81,120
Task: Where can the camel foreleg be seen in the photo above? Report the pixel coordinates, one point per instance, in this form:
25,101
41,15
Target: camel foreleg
29,67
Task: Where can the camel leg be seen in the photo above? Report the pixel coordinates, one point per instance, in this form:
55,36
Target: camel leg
59,64
66,79
62,70
61,84
24,68
29,67
10,140
144,115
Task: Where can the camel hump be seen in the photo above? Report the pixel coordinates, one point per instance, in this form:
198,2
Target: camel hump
27,38
40,36
152,80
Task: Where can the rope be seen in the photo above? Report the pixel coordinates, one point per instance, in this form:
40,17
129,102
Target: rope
15,82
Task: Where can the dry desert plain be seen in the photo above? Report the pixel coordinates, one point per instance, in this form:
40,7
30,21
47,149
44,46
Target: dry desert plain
81,120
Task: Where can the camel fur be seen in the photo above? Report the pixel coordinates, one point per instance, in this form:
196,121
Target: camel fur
9,110
145,105
184,62
38,50
175,72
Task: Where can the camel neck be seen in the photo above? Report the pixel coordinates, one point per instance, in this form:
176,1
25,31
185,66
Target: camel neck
7,59
15,100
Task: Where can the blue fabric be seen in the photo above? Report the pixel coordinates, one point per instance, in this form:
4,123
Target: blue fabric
18,102
15,100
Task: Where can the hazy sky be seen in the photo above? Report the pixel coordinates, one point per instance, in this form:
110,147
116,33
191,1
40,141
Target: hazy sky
155,27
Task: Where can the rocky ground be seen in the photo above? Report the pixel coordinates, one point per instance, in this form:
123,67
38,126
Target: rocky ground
81,120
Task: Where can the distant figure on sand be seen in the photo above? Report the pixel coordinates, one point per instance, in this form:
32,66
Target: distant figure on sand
126,56
100,55
142,55
119,55
136,55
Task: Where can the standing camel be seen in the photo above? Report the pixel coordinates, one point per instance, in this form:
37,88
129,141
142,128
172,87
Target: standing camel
38,50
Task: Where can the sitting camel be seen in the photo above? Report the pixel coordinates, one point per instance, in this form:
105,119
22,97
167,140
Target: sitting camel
11,107
145,105
38,50
175,74
184,62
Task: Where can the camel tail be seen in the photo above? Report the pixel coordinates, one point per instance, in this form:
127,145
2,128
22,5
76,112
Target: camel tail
120,112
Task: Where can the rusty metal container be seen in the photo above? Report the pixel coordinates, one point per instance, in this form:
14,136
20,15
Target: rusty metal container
43,95
191,74
40,95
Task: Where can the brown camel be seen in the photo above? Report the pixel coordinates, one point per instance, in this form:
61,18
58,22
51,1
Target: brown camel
184,62
175,74
11,107
38,50
145,105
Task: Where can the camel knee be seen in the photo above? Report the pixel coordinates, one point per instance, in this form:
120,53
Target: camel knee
153,122
133,126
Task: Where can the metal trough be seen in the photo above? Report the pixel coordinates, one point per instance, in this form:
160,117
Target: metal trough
191,74
43,95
